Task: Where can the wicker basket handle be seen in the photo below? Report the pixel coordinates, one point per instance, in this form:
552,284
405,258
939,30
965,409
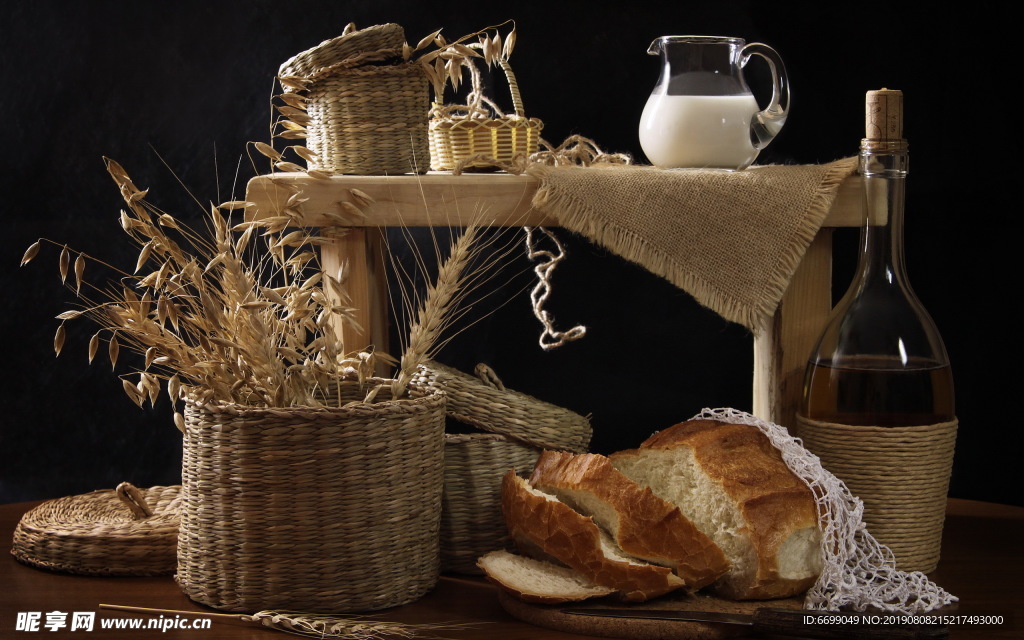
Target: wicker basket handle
488,377
513,86
132,498
477,97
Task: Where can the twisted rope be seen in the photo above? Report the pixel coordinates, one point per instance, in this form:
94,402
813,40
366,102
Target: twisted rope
550,338
575,150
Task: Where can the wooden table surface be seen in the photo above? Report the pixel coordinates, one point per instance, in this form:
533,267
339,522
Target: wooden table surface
982,563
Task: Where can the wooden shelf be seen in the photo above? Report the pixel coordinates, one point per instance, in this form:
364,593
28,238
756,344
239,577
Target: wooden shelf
501,199
443,199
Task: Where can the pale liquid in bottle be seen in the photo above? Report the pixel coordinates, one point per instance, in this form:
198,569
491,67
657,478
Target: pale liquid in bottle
868,390
698,131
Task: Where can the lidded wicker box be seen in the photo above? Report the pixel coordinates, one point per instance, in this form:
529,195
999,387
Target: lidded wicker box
514,428
365,105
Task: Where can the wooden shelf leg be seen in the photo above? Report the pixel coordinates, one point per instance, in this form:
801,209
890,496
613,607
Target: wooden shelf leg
781,350
358,254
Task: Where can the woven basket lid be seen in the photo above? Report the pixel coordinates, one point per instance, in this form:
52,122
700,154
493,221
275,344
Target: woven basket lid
379,37
484,402
121,532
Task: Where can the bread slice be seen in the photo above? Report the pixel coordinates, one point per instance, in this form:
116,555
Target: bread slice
733,485
642,524
538,581
539,521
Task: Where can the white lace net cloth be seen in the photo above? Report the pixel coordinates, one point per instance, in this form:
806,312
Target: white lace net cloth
858,572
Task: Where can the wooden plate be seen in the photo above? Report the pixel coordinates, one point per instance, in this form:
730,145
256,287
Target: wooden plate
551,617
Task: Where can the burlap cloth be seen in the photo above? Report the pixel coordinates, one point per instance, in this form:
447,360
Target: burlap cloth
732,240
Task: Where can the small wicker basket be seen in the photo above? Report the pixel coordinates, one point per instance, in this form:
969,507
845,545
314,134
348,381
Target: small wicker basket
459,133
516,427
122,532
349,44
366,107
471,520
312,509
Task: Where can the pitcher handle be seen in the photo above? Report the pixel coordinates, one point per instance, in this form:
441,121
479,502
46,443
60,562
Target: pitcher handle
767,124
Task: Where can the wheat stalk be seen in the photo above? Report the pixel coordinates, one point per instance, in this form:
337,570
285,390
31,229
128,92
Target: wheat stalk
470,267
434,314
353,627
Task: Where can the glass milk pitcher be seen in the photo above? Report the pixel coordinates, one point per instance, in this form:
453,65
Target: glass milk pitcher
702,113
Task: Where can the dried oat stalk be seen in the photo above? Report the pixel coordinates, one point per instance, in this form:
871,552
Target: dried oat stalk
445,64
240,312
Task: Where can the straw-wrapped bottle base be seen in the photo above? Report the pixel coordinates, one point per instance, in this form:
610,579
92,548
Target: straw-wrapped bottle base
901,474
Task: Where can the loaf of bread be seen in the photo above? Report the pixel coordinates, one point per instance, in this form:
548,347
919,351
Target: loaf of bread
643,525
730,482
538,581
544,527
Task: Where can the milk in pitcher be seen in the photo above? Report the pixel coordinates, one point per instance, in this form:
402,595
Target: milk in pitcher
698,131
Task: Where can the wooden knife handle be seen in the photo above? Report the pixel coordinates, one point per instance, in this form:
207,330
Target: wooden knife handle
842,626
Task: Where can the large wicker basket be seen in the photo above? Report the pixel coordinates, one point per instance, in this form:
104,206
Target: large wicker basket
468,137
318,510
366,107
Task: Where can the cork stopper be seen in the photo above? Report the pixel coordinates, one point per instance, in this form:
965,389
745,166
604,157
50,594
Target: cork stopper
883,115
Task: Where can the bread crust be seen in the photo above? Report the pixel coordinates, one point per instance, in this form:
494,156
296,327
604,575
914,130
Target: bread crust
647,526
772,519
575,540
774,503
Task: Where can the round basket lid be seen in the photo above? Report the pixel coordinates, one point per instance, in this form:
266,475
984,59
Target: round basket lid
484,402
353,42
121,532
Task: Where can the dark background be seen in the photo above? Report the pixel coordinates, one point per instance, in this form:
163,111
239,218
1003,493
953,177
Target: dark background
174,91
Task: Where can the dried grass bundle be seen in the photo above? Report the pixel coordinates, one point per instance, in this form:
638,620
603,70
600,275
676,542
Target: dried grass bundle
239,314
243,313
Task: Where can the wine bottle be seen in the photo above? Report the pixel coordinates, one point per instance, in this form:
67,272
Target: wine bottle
880,360
877,405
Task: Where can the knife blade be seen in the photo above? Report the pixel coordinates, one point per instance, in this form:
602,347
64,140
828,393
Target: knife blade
792,622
